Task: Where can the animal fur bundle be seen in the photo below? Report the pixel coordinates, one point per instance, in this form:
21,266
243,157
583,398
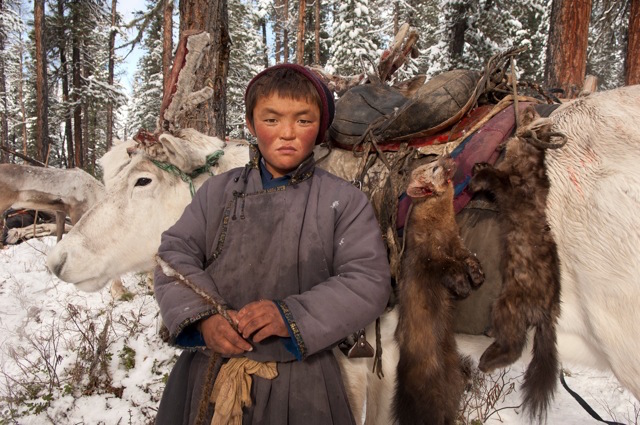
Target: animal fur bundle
530,295
436,268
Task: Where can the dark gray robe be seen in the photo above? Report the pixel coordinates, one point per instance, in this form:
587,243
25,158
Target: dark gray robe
314,246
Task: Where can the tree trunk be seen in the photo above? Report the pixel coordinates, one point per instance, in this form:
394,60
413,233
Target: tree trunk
458,29
4,115
316,32
263,27
396,18
42,134
278,29
112,43
77,87
94,126
65,89
302,13
285,30
632,60
212,17
23,108
88,141
167,40
567,46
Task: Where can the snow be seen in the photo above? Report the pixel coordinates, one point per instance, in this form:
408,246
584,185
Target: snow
50,333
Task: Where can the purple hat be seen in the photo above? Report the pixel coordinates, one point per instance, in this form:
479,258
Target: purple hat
328,107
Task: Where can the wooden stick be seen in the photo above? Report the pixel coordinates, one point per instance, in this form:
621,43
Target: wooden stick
21,156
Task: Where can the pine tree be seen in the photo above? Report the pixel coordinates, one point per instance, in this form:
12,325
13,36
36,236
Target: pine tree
11,57
245,60
147,85
81,30
606,49
352,37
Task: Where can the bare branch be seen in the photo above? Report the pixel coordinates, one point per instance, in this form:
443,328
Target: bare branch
24,157
144,21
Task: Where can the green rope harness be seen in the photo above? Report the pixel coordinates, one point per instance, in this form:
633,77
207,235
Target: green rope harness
212,159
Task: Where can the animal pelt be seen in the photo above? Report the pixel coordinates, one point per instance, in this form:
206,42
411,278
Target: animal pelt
530,295
436,268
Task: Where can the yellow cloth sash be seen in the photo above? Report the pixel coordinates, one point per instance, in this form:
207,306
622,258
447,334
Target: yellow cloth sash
232,389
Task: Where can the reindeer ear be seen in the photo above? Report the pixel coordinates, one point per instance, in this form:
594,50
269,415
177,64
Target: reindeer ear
188,150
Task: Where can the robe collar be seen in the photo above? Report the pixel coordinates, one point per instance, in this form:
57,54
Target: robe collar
303,172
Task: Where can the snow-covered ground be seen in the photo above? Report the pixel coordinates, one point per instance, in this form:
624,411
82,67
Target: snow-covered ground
69,357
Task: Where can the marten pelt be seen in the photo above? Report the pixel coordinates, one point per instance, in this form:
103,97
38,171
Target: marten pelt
436,267
530,295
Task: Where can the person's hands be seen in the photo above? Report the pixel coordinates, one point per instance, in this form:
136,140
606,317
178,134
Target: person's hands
261,319
221,338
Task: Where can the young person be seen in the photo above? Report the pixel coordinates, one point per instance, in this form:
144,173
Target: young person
294,253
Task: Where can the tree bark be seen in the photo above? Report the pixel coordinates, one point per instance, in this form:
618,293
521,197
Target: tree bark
302,13
112,44
632,60
89,142
23,109
396,18
65,89
459,26
42,134
567,46
285,30
278,28
77,87
212,17
4,114
167,40
263,28
316,32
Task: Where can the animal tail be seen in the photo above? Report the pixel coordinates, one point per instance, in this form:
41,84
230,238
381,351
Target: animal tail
541,377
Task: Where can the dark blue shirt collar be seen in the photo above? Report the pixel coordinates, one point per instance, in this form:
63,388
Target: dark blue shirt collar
268,182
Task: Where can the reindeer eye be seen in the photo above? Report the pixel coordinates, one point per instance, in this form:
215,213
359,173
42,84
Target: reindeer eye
143,181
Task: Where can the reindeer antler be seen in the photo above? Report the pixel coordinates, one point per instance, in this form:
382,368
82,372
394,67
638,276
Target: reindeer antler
397,54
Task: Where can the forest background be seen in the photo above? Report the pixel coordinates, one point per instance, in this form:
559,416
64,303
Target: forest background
64,97
70,357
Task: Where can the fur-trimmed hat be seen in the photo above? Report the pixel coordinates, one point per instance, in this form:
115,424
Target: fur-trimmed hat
326,97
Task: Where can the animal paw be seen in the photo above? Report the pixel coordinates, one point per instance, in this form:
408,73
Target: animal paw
497,356
458,285
474,270
479,166
478,180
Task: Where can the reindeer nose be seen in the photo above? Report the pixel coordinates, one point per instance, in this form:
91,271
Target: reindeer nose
56,267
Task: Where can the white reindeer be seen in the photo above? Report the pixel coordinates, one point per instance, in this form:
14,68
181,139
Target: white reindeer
67,192
142,200
592,208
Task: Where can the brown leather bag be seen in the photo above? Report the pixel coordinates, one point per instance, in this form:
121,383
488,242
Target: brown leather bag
361,106
389,116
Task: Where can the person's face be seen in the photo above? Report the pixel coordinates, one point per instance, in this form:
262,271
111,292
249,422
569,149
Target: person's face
286,130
